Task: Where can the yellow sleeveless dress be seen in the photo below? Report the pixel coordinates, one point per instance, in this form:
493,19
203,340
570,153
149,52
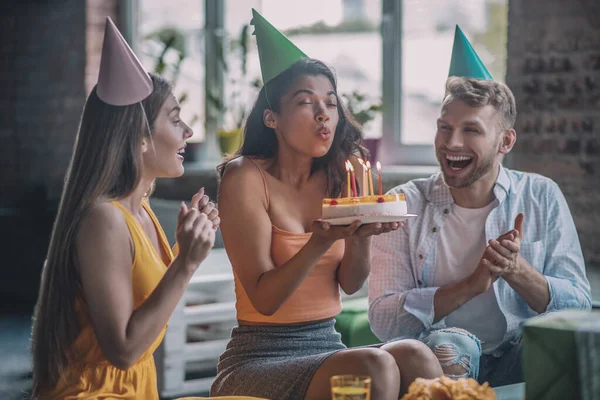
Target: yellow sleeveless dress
97,378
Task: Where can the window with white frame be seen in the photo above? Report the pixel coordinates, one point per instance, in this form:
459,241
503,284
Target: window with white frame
345,34
393,53
417,41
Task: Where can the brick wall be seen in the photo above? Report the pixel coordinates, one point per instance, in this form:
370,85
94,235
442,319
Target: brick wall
96,13
554,71
43,62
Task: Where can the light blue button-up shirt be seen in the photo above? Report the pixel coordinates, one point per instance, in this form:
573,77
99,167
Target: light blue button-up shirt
403,264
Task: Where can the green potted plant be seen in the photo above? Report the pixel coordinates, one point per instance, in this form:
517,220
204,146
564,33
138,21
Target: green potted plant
173,40
364,111
234,109
361,108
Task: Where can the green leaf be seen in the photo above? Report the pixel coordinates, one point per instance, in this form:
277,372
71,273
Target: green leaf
183,97
171,37
194,119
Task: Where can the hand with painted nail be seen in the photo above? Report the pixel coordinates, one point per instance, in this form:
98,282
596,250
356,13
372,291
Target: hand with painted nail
202,203
195,236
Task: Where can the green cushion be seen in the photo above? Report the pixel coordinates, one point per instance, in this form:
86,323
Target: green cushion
353,323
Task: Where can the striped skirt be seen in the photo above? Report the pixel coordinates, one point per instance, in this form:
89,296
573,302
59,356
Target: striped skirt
274,362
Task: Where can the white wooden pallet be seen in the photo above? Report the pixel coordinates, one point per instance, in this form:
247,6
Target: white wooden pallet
198,330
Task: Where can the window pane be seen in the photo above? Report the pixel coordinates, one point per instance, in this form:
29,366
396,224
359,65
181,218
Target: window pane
428,34
242,79
343,33
182,20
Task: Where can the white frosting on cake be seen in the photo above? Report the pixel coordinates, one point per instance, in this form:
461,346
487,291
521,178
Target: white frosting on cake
386,208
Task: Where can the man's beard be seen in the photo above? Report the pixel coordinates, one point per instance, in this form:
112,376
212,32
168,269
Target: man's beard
481,169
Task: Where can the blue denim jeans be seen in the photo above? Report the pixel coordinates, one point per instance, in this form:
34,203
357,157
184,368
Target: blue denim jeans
458,347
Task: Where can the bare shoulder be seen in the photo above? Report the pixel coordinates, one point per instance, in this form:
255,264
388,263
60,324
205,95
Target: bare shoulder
104,215
103,222
241,174
242,166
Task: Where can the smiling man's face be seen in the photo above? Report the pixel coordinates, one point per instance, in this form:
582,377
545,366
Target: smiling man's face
467,142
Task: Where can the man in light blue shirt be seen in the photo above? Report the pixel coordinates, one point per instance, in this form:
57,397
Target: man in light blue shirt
491,247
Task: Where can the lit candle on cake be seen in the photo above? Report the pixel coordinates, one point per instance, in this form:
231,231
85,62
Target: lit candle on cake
348,177
364,191
371,192
379,180
353,180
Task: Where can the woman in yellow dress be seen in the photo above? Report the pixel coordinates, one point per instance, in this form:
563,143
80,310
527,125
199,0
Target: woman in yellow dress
111,281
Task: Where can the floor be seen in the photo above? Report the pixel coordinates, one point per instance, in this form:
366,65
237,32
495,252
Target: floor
15,327
15,368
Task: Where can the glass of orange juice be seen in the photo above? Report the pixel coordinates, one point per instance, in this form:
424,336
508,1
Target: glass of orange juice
351,387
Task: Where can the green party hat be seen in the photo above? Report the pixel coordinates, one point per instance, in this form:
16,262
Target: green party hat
465,62
276,52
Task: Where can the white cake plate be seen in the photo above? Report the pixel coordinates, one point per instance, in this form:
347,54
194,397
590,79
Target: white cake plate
368,219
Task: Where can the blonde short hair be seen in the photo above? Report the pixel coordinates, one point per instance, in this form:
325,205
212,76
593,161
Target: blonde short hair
480,93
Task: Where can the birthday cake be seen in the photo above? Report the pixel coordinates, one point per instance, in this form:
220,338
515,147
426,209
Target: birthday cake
387,205
367,207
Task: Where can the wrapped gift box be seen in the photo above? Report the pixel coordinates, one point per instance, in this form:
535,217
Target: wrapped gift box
561,355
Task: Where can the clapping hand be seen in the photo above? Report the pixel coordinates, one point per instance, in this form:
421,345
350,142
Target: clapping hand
502,255
202,203
195,236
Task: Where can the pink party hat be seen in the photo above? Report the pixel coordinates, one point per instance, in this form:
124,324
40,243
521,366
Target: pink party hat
122,79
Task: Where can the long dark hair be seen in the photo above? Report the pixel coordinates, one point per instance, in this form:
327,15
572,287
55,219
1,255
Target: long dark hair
260,141
106,162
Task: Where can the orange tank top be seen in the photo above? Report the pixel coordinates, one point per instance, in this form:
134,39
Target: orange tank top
317,297
96,377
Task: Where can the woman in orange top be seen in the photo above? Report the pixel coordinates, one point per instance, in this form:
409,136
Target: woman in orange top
287,268
111,282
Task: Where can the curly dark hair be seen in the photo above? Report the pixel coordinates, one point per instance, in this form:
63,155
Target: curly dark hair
260,141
